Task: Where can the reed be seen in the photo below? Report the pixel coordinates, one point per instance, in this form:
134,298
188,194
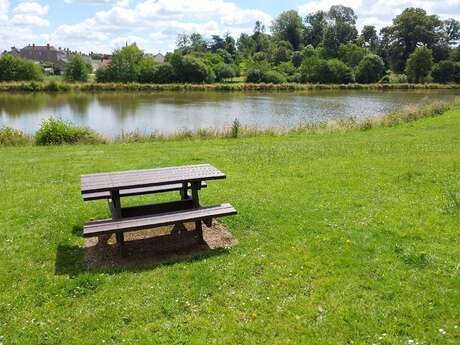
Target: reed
55,86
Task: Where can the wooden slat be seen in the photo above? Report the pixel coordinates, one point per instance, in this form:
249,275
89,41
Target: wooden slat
150,177
109,226
138,191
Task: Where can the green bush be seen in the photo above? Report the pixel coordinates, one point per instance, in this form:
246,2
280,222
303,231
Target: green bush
273,77
77,69
419,65
254,75
445,71
17,69
225,72
190,69
333,71
54,131
163,73
12,137
370,69
103,75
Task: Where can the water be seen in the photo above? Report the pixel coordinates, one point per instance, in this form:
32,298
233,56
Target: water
168,112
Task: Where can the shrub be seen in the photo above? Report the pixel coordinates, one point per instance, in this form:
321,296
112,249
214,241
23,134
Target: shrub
77,69
317,70
103,75
52,86
12,137
235,128
190,69
163,73
54,131
444,71
225,72
419,65
370,69
254,76
273,77
297,58
17,69
147,71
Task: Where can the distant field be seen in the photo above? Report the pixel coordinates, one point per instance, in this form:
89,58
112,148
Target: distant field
344,238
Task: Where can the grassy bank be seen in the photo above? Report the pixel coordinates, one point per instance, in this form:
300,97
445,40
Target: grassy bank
59,86
55,131
344,237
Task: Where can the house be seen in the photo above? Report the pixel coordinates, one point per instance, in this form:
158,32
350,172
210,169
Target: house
159,58
43,54
98,60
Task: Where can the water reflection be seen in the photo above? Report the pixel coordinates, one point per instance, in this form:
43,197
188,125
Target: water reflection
112,113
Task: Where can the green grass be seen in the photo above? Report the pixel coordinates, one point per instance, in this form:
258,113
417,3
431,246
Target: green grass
344,237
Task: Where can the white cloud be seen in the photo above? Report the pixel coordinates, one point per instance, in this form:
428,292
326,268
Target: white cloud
31,8
28,20
158,20
18,25
381,12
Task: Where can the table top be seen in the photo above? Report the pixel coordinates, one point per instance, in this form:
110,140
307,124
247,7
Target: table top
149,177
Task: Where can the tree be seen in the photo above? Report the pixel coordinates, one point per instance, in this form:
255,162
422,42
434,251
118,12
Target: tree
330,42
282,52
317,70
370,69
217,43
230,45
419,65
288,26
315,23
444,71
17,69
189,69
77,69
344,21
163,73
296,59
147,70
451,30
412,28
225,72
351,54
125,64
369,35
245,45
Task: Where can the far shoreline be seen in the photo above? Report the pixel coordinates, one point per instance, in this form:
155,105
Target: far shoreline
54,86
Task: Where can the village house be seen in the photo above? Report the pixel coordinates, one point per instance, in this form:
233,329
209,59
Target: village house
43,54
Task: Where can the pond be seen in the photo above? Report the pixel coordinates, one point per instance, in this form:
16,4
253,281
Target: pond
168,112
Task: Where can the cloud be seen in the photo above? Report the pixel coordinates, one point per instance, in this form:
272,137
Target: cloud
31,8
158,20
381,12
28,20
18,25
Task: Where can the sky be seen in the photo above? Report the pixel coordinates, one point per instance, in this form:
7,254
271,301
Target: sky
103,25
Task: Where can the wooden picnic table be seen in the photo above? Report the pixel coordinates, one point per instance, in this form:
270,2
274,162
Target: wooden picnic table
115,185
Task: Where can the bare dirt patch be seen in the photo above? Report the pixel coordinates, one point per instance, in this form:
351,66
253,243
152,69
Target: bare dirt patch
150,247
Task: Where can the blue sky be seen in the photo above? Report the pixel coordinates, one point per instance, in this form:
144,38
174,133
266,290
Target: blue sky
102,25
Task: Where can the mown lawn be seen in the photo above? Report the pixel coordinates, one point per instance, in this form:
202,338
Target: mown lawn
344,238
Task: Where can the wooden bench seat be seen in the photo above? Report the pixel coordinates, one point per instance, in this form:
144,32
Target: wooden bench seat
138,191
109,226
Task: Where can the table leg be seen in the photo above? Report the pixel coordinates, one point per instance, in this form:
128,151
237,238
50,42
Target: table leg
116,214
184,191
196,204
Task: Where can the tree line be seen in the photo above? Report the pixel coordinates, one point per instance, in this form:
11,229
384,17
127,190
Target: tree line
322,47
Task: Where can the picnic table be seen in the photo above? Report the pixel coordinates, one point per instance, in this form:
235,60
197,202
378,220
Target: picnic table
115,185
